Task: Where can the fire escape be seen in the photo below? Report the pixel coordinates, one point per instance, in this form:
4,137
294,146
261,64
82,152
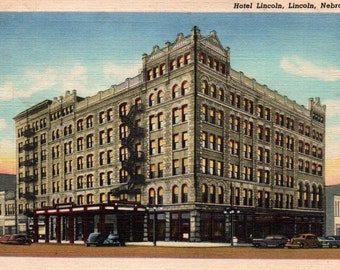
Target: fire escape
134,179
29,164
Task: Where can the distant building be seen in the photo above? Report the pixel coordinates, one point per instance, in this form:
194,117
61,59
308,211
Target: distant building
333,210
205,150
7,203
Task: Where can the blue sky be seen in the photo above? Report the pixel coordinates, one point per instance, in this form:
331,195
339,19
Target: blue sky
44,54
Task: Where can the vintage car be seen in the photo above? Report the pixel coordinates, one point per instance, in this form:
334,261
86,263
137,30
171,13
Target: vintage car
329,241
304,240
277,241
15,239
102,239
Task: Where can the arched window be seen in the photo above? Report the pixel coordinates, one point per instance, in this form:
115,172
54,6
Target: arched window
212,193
123,176
300,194
184,193
160,194
320,197
152,100
152,200
175,194
306,195
204,193
204,87
160,97
80,199
90,199
221,94
314,198
123,109
213,91
185,88
220,193
175,91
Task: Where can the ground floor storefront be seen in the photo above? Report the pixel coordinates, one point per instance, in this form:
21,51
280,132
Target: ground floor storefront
194,223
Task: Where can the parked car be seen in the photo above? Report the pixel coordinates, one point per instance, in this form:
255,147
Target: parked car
329,241
104,239
15,239
277,241
305,240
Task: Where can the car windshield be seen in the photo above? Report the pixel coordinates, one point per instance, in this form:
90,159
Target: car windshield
93,236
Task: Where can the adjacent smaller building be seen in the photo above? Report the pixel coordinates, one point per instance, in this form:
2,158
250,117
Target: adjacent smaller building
333,210
7,204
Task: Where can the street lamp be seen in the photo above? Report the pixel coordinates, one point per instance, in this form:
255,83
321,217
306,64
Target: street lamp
231,212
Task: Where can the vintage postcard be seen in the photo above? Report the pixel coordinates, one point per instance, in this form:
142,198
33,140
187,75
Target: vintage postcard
207,123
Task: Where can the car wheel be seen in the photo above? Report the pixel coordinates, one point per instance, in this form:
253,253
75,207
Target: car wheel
301,245
281,245
330,245
257,245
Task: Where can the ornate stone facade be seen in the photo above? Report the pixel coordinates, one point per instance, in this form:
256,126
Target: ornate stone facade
189,135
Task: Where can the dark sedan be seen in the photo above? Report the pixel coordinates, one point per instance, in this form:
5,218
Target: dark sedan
102,239
15,239
278,241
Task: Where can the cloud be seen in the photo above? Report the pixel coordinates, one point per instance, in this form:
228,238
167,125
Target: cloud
332,107
34,81
7,148
332,142
117,74
63,78
300,67
3,123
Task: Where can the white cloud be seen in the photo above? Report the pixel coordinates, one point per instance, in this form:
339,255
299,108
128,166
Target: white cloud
3,123
7,91
332,142
34,81
118,73
7,148
63,78
300,67
332,107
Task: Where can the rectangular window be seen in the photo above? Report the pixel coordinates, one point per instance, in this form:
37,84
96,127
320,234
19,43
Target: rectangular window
160,145
152,147
175,141
160,169
184,165
175,167
185,139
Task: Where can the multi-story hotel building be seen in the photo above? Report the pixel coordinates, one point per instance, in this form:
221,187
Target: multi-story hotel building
206,150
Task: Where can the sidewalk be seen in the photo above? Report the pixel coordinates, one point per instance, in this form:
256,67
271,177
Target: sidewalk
165,244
